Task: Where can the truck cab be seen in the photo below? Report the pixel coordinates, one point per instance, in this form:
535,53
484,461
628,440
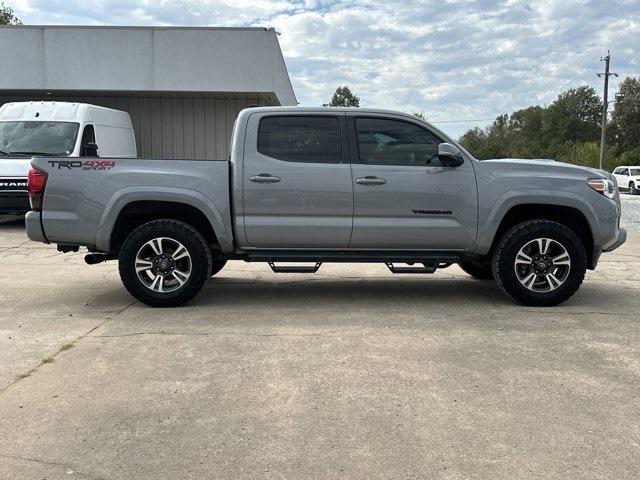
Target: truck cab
55,129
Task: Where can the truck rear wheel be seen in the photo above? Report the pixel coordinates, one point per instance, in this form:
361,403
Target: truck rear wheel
632,189
539,263
164,263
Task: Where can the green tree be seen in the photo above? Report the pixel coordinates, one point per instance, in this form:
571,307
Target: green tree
579,153
477,142
624,129
629,157
7,17
525,126
574,116
567,128
343,97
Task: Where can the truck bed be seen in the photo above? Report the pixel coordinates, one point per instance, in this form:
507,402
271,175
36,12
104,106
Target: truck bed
83,196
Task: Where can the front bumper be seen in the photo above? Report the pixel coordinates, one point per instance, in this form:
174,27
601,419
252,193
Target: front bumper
622,237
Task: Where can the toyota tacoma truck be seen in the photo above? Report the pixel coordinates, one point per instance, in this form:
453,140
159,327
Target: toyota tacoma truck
303,186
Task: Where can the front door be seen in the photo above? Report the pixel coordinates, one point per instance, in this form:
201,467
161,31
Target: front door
297,190
404,199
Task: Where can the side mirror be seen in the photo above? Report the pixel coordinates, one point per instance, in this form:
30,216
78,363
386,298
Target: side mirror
89,150
449,155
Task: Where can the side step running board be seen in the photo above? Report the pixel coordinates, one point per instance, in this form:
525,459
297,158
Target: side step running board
425,268
295,268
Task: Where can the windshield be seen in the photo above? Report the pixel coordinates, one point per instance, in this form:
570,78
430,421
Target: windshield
634,172
38,138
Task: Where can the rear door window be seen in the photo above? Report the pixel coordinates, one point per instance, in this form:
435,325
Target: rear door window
298,138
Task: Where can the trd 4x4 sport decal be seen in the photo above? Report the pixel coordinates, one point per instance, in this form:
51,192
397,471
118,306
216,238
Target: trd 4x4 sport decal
84,165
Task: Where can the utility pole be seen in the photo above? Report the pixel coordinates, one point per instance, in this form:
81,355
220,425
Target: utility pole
605,103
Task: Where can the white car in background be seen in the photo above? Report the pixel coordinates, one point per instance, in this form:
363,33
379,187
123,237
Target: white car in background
628,178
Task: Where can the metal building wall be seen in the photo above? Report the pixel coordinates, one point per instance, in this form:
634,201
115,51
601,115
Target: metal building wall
176,127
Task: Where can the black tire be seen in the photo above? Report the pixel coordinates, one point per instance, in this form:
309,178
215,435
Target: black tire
216,266
477,269
504,262
632,189
199,258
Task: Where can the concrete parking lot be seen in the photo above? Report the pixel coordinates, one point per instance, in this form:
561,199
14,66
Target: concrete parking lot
349,373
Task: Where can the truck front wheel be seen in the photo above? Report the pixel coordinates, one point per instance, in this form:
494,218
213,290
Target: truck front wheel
164,263
539,263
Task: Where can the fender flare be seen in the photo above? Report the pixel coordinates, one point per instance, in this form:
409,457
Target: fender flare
514,198
128,195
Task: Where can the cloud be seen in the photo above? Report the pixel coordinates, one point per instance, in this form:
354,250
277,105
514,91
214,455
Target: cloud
453,59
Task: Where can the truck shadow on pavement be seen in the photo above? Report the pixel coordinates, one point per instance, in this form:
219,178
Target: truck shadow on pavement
350,291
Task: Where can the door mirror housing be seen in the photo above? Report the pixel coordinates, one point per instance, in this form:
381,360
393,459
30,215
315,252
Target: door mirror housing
89,149
449,155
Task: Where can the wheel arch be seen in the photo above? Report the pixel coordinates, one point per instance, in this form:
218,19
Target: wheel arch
129,210
572,215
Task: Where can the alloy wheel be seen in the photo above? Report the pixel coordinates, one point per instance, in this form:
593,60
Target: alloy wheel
542,265
163,265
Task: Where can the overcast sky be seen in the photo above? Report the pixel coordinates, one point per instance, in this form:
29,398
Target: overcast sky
461,62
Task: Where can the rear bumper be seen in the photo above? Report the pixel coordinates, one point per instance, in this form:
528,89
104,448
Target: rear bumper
34,227
17,203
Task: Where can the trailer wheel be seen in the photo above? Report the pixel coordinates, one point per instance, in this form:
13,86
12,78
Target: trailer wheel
164,263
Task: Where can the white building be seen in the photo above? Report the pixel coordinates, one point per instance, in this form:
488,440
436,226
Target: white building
182,86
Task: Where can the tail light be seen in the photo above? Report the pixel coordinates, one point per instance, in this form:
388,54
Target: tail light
36,181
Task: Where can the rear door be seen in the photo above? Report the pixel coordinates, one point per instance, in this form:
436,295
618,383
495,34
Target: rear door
297,189
403,197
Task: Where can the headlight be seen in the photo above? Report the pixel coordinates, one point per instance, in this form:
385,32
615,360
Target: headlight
603,186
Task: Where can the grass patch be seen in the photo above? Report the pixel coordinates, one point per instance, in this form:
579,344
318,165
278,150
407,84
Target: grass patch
23,375
47,360
66,346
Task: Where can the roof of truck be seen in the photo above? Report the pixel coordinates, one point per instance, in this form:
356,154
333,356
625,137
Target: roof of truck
294,109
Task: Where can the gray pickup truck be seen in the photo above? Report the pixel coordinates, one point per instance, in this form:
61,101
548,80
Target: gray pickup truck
313,185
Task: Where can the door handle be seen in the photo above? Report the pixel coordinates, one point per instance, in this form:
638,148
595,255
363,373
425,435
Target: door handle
370,180
264,178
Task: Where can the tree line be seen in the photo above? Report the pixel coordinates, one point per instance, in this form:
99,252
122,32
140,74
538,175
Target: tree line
568,129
